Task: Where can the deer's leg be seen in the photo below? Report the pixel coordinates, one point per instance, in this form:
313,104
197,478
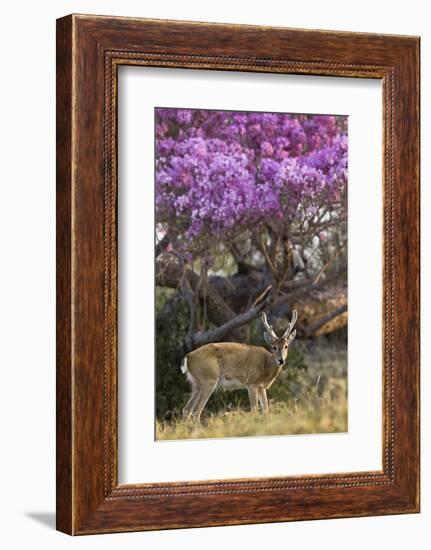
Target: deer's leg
204,395
189,406
263,400
252,395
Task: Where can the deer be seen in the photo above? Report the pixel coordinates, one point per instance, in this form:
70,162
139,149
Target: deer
232,366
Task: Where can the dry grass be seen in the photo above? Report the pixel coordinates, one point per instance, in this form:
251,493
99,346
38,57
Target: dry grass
316,411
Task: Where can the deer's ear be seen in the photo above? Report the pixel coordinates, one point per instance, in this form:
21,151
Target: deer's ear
268,338
291,337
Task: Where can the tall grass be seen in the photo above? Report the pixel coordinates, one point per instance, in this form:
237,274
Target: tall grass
326,413
323,415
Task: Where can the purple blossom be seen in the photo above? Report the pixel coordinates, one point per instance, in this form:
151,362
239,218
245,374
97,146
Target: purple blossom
220,172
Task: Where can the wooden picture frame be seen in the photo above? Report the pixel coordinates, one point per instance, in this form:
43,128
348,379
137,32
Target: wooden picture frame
89,51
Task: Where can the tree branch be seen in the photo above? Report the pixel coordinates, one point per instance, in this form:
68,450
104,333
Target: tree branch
169,273
329,262
314,327
217,334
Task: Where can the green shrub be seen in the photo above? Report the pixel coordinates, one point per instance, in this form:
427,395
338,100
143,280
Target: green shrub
171,329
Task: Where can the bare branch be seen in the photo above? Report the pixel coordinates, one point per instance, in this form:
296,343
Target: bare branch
304,289
260,245
263,295
329,262
217,334
314,327
169,273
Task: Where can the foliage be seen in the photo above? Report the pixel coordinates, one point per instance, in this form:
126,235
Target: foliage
171,327
219,173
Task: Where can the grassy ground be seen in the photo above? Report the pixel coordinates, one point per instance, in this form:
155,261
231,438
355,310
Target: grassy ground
314,415
315,401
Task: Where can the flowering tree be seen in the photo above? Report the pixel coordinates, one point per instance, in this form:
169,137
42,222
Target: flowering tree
251,212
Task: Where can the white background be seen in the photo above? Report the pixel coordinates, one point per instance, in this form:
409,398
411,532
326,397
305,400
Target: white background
27,311
141,458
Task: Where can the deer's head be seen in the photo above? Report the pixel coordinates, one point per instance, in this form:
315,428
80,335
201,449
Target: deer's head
279,347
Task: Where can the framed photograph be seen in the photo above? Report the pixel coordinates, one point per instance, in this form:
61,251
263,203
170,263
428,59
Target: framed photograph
237,274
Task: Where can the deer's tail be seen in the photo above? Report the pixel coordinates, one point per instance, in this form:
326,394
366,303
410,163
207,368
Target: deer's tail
184,368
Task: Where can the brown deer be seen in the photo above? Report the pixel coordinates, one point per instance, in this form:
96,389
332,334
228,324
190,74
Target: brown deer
233,366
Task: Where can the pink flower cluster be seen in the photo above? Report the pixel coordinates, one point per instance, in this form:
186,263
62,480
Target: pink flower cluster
218,172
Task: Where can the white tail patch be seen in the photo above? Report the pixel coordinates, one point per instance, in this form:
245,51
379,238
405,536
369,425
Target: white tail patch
184,368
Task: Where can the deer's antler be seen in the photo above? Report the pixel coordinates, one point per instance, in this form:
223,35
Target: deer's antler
291,324
268,327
